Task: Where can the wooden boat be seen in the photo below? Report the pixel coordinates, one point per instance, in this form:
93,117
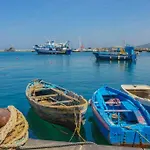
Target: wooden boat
56,104
140,93
120,118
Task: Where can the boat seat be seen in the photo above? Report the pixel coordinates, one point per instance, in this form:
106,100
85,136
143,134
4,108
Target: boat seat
112,102
118,110
60,102
67,96
49,95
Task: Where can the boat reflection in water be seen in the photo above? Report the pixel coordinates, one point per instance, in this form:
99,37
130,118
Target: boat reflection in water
40,129
123,65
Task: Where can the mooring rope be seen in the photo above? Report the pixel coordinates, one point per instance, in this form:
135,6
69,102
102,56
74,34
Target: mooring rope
143,136
136,131
77,127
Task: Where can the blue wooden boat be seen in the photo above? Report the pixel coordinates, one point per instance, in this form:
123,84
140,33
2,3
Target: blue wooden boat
122,54
120,118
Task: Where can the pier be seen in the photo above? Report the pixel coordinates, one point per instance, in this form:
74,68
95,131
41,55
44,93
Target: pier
53,145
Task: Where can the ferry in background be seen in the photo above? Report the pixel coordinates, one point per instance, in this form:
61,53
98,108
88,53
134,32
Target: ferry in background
50,47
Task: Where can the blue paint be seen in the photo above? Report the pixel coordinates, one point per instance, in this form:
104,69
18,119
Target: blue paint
147,108
109,55
120,118
50,47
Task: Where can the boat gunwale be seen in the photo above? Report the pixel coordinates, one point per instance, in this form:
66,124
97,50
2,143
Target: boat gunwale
57,106
135,96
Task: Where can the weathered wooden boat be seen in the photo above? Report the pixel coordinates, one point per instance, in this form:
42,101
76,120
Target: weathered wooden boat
120,118
56,104
140,93
123,54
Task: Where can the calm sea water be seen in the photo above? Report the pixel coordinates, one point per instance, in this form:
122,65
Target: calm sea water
79,72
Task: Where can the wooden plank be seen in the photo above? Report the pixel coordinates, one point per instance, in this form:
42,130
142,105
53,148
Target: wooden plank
113,102
118,110
67,96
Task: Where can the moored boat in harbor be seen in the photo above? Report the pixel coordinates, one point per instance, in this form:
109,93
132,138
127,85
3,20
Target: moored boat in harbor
123,54
120,118
140,93
50,47
56,104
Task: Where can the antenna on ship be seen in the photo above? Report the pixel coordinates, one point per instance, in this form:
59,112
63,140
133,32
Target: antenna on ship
124,43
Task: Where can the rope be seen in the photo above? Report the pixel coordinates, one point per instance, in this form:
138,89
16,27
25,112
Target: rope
134,139
15,132
143,136
77,127
54,146
59,129
136,131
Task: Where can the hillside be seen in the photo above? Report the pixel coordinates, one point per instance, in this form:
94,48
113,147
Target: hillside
144,46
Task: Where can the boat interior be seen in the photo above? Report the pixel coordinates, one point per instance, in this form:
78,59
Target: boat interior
53,96
121,111
143,93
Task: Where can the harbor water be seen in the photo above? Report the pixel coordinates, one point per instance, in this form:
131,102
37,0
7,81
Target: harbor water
79,72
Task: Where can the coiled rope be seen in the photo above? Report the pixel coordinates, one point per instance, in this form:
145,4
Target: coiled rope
15,132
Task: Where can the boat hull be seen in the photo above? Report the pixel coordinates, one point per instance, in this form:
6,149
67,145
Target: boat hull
116,136
59,116
113,57
53,52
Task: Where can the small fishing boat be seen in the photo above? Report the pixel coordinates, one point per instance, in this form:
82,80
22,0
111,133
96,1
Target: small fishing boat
140,93
122,54
56,104
120,118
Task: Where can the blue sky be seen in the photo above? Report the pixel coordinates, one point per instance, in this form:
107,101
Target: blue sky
98,23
